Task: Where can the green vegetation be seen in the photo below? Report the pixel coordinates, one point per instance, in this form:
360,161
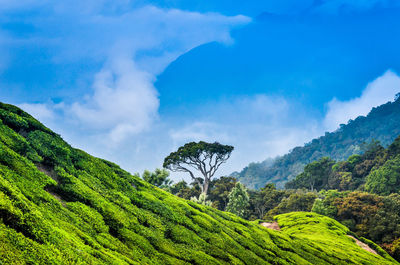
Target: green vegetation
158,178
322,232
202,199
219,191
376,171
362,193
367,215
386,179
59,205
382,124
238,200
204,157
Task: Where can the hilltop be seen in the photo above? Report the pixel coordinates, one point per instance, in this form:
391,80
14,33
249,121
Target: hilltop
381,124
59,205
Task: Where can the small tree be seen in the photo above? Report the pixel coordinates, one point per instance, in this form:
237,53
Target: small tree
201,200
159,178
258,203
219,191
203,157
183,190
238,200
315,175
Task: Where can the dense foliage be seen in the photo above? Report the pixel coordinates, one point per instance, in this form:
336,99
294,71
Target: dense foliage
376,171
368,215
59,205
158,178
382,123
361,192
206,158
219,191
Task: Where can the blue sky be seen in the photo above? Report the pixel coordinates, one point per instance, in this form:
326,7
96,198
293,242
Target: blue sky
131,81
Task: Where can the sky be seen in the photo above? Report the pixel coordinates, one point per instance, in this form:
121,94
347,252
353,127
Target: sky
131,81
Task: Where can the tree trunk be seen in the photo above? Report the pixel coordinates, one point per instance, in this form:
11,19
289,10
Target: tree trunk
205,185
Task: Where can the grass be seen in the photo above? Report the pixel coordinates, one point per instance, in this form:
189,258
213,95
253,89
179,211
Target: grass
59,205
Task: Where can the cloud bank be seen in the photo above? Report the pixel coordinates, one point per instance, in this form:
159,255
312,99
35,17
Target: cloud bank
135,46
381,90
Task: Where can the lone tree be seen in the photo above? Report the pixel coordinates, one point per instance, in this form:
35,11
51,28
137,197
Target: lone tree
201,156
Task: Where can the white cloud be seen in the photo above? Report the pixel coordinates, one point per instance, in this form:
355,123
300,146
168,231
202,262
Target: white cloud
152,36
135,45
381,90
39,111
198,131
124,101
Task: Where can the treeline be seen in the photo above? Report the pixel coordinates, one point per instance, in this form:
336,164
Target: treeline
255,204
376,171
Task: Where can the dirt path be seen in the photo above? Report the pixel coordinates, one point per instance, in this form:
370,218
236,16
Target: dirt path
56,196
48,171
52,174
273,226
363,245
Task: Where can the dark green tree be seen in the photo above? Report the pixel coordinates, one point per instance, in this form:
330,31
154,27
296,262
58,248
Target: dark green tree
258,206
159,178
315,175
183,190
386,179
219,191
265,199
298,201
203,157
394,148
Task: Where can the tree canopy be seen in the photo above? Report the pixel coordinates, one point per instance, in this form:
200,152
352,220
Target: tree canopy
202,156
159,178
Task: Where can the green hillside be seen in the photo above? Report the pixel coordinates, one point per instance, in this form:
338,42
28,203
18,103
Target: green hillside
59,205
375,171
382,124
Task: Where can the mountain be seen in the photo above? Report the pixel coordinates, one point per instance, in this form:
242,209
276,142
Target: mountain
59,205
377,171
382,124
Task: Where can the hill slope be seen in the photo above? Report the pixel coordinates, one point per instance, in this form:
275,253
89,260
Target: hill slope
382,124
59,205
